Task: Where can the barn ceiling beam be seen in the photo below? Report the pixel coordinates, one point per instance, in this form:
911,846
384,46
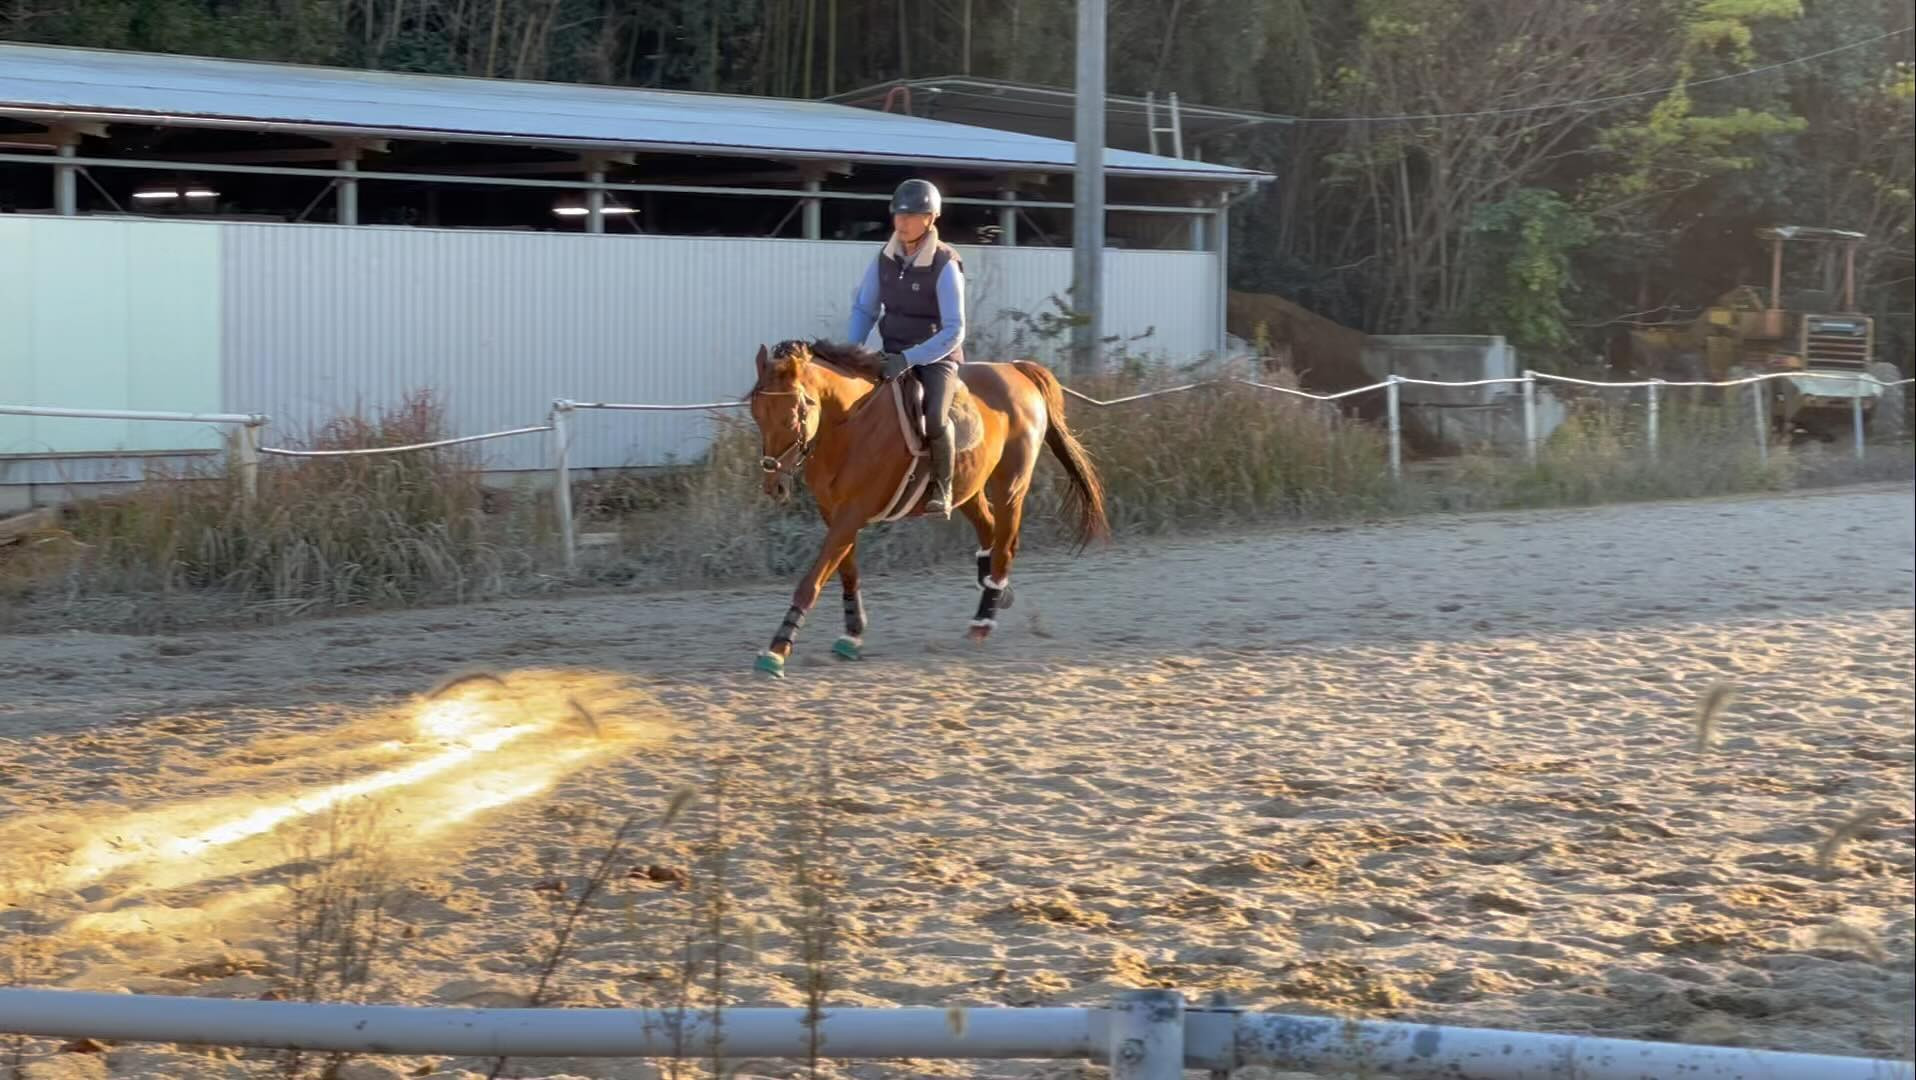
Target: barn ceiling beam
286,156
52,138
568,167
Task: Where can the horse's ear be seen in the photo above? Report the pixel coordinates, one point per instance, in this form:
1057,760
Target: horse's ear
764,360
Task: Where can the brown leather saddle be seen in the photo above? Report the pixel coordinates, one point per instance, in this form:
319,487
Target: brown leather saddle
967,427
908,404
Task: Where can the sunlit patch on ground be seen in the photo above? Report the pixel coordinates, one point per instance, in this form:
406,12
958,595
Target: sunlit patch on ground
213,855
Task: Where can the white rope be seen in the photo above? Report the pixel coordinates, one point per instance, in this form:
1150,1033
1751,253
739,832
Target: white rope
1405,380
1136,397
617,407
1765,377
254,419
402,449
1402,380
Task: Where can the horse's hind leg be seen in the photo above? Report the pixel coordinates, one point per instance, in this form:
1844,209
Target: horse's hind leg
978,511
994,592
851,644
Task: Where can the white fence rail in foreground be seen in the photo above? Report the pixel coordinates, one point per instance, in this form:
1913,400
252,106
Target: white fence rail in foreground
247,449
1142,1035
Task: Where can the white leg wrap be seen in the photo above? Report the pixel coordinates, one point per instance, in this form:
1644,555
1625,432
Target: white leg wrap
984,553
997,583
984,624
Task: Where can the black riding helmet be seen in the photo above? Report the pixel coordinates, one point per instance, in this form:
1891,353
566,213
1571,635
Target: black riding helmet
916,197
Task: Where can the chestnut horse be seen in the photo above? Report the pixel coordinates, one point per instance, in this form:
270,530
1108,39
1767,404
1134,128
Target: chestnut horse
816,411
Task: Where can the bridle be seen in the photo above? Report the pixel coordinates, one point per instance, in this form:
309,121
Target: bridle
801,446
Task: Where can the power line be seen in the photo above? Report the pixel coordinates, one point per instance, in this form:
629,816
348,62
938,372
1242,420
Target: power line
1608,99
1250,118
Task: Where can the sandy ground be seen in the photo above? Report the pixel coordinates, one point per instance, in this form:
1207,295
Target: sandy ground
1443,770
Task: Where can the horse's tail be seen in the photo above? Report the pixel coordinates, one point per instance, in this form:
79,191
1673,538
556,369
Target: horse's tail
1085,499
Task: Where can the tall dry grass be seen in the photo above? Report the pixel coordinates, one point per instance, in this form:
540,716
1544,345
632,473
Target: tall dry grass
419,528
323,533
1228,454
1706,446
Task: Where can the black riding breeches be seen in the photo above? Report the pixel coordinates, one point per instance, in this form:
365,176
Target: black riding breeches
941,385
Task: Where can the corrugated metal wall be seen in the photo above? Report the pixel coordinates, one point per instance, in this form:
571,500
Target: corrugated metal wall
319,321
109,315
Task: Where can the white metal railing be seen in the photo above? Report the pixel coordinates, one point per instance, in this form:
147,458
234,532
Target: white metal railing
243,446
1140,1035
246,448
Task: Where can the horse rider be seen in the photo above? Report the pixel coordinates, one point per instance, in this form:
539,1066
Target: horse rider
919,281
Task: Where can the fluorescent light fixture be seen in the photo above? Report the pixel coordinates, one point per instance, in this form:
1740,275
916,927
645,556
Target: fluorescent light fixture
169,194
580,211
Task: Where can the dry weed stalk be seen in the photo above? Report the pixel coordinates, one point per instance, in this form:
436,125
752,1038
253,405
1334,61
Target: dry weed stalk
28,957
343,906
1709,709
1850,829
1849,935
717,909
812,856
596,873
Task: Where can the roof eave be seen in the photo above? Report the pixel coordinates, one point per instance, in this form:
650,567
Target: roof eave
56,115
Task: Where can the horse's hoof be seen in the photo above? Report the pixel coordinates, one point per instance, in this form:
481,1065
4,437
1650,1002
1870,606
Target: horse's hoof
1004,599
770,664
848,648
979,631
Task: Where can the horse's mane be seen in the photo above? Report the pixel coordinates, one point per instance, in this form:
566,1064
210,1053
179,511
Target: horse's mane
854,360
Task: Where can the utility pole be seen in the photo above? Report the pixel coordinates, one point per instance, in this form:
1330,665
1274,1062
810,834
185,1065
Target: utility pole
1087,211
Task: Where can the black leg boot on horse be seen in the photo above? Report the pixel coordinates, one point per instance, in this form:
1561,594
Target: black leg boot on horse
941,386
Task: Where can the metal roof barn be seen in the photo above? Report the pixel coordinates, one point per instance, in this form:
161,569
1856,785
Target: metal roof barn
58,84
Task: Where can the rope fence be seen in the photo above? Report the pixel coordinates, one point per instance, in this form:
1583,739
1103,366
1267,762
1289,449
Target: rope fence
434,445
246,450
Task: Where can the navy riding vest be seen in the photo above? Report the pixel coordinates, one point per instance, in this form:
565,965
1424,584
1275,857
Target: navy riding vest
909,294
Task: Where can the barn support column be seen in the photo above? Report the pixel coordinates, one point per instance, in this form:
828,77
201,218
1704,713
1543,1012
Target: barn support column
1008,217
346,188
813,211
66,189
595,197
595,166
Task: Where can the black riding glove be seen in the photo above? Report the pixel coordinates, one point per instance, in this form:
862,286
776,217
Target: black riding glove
895,364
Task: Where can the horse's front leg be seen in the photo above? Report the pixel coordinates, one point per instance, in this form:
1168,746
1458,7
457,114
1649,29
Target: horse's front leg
838,544
851,644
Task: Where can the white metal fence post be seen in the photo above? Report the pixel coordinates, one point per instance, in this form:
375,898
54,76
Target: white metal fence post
1396,429
1530,416
1757,390
1650,416
1146,1035
1856,415
562,478
246,459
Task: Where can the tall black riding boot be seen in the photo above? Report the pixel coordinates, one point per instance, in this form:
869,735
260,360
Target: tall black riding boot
938,498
